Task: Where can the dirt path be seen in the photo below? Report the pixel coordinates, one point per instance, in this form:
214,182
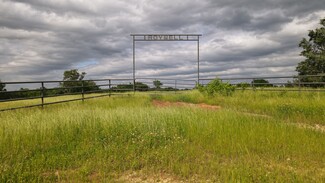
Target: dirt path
315,127
159,103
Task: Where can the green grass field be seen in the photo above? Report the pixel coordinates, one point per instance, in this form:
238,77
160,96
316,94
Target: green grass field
254,137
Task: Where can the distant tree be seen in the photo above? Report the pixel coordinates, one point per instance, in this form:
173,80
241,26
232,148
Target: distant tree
243,85
90,86
73,80
141,86
27,93
314,52
290,84
170,89
2,86
157,84
73,75
125,87
261,83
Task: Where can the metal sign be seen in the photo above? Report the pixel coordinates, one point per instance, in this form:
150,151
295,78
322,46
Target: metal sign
167,37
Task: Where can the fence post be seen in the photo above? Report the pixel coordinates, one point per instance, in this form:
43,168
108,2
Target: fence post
109,88
42,94
253,85
134,86
175,85
82,91
299,84
155,86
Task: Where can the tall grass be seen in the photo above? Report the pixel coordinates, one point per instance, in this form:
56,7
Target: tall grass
103,139
297,107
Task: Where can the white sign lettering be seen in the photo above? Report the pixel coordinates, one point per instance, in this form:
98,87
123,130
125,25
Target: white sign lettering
165,37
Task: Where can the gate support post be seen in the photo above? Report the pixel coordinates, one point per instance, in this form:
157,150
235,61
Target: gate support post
133,64
42,94
82,91
109,88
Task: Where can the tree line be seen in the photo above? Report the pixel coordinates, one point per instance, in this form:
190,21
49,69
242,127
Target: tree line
73,82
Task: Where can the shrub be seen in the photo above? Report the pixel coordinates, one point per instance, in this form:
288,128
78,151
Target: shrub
261,83
215,87
243,85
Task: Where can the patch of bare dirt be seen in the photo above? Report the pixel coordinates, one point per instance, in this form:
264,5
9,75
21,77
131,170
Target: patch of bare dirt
158,103
316,127
94,177
256,115
70,175
137,177
144,177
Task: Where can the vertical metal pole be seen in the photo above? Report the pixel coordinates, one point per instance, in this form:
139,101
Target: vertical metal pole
253,84
109,87
155,86
42,94
82,91
198,59
133,64
299,84
175,86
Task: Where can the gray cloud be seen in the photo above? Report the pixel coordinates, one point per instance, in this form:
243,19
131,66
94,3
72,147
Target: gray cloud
40,39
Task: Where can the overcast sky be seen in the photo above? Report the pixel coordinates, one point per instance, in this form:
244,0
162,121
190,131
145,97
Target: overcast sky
40,39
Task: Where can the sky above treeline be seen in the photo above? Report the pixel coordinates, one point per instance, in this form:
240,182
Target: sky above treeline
40,39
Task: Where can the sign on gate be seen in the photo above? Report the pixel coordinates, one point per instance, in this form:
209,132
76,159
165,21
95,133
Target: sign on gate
166,37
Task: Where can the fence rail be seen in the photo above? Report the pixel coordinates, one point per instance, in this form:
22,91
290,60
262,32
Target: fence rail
81,90
307,83
43,90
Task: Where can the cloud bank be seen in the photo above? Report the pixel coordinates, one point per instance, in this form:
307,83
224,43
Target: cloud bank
40,39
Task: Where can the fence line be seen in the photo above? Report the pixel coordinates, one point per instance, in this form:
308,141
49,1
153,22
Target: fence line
277,83
123,86
102,87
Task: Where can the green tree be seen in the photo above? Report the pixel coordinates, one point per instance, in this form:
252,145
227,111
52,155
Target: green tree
314,52
2,86
25,92
290,84
243,85
125,87
157,84
261,83
141,86
73,75
73,81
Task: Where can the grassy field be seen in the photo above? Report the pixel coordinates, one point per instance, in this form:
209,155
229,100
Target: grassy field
254,137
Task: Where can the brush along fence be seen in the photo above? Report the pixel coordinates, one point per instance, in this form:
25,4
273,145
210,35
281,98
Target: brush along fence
42,93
